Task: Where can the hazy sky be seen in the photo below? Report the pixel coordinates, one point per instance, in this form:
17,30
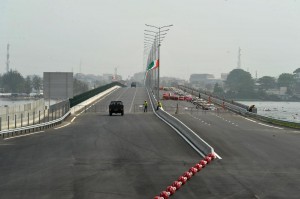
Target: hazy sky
54,35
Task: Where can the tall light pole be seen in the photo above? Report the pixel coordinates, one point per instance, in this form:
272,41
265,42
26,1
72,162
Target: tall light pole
160,29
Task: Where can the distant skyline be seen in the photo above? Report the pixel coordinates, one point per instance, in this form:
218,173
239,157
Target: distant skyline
58,35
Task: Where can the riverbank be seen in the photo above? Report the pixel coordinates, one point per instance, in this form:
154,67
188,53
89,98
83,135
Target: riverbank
286,111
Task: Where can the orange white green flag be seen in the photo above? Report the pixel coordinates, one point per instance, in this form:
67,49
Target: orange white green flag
153,65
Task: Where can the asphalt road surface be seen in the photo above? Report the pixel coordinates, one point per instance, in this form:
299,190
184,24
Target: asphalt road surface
137,156
259,160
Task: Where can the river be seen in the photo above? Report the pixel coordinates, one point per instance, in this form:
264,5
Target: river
10,102
288,111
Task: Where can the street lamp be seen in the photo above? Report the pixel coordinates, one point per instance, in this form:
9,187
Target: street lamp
160,29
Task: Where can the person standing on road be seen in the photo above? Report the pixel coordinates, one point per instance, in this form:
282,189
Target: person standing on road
159,105
145,106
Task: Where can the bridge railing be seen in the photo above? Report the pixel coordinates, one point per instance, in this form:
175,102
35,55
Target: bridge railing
242,109
184,131
56,113
27,129
89,94
233,107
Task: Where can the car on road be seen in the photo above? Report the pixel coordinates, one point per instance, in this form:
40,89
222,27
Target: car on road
133,84
116,107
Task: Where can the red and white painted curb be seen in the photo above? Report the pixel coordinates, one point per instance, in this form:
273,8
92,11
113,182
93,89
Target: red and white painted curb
176,185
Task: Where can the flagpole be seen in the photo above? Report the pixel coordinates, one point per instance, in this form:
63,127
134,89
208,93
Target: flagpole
160,29
158,57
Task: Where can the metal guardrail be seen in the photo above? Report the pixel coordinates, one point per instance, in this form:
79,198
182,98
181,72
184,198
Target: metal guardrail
184,131
75,101
27,129
244,111
274,121
224,103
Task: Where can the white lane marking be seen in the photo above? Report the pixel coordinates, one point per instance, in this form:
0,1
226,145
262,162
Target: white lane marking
122,94
62,126
132,100
250,120
271,126
23,135
294,132
73,119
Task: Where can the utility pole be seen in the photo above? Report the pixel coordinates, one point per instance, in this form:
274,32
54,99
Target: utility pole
80,66
116,73
7,59
239,64
156,51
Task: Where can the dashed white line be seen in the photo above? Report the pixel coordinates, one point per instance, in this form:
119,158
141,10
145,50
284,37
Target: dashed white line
62,126
271,126
132,100
23,135
73,119
250,120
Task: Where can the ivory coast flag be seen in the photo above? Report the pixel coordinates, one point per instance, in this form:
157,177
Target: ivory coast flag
153,65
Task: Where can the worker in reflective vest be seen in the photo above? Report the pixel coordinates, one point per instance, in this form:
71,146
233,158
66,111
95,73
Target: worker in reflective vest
145,106
159,105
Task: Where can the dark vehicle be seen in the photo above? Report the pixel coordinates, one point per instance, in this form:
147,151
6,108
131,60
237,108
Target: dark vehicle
116,107
133,84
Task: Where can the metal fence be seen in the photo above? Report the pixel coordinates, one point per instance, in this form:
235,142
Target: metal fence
35,116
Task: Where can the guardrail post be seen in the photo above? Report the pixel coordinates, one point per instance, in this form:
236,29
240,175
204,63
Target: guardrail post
44,119
8,122
52,114
39,117
33,117
55,113
15,121
21,119
48,115
0,123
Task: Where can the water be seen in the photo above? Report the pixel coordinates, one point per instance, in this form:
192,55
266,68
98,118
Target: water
288,111
10,102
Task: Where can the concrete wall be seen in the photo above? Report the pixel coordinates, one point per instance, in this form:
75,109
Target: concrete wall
58,85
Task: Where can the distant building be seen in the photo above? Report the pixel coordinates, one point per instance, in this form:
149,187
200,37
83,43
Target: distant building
171,81
138,77
108,77
116,78
224,76
280,91
204,81
197,78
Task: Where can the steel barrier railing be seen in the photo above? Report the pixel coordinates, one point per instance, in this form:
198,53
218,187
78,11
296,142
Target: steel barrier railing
202,147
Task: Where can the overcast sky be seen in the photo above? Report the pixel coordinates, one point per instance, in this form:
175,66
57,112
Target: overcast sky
54,35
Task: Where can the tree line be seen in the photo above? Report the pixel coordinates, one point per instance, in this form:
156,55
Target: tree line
240,84
14,82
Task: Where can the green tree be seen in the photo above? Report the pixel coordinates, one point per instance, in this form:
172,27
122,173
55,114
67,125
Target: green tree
79,87
297,70
267,82
286,79
13,82
240,83
218,90
37,82
28,85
